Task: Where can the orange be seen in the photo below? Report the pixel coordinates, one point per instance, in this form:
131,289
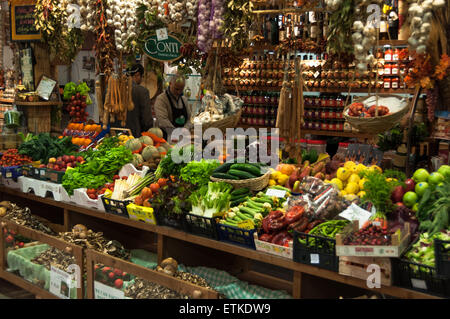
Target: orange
99,129
87,141
87,128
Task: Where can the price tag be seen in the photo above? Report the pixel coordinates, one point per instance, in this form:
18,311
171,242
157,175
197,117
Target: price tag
161,34
246,224
8,174
276,192
419,284
314,259
354,212
316,74
377,224
102,291
60,283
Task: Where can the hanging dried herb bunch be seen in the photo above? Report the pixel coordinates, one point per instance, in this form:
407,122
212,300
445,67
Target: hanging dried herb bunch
340,28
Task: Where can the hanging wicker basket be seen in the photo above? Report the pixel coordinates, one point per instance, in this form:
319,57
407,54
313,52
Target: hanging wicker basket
229,122
398,105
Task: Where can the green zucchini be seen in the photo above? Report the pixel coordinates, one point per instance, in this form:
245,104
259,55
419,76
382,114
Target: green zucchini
263,200
234,198
223,168
248,210
238,201
253,206
240,191
241,174
244,216
252,169
260,205
224,176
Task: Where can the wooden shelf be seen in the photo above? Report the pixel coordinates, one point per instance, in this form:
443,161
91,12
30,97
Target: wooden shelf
255,255
394,43
338,134
9,101
38,103
324,90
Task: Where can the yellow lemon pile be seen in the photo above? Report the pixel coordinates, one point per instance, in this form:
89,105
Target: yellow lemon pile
278,178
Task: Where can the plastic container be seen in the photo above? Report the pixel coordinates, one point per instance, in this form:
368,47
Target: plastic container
201,226
116,207
236,236
442,258
316,251
141,213
11,172
173,220
318,145
342,148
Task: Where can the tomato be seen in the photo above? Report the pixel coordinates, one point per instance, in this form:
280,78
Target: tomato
162,182
154,187
116,177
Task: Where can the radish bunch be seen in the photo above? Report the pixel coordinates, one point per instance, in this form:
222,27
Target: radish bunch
77,108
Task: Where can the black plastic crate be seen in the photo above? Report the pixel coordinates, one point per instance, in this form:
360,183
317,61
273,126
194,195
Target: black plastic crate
116,207
202,226
172,220
419,277
442,258
39,173
54,176
236,236
316,251
28,171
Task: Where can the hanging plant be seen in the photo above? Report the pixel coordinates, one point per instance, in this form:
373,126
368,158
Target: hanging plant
340,26
51,20
237,20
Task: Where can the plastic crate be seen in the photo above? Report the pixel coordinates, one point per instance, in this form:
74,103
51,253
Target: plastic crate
419,277
11,171
141,213
317,251
237,236
54,176
40,173
442,258
116,207
201,226
172,220
27,171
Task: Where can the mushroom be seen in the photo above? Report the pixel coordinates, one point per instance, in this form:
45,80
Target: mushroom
79,228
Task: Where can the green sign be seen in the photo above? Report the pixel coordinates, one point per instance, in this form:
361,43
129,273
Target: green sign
164,51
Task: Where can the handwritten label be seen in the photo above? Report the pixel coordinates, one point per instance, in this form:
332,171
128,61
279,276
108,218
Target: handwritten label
276,192
354,212
102,291
22,21
314,259
161,34
246,224
316,74
60,283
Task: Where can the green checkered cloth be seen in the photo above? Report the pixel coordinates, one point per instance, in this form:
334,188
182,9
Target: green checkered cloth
219,280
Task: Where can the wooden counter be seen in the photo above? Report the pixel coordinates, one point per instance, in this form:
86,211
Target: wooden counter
165,233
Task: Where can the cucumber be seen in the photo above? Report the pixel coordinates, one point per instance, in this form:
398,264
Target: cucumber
240,191
234,198
238,201
241,174
263,200
248,210
223,168
252,169
224,176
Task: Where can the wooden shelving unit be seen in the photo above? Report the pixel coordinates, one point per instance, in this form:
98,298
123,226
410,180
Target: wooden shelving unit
49,103
325,90
164,233
8,101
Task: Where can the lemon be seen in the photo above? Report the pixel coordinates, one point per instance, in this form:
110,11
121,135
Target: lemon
354,178
352,188
343,174
361,194
282,179
349,165
350,197
361,183
338,183
343,193
275,175
360,168
272,182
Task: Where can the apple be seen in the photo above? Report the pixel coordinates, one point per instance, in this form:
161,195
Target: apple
410,198
409,185
420,175
421,188
72,158
397,194
435,178
80,159
444,170
66,158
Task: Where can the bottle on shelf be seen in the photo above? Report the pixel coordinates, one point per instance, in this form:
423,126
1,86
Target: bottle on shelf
282,29
383,29
393,25
313,25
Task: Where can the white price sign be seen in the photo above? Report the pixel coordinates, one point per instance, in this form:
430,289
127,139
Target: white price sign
161,34
102,291
60,283
314,258
276,192
354,212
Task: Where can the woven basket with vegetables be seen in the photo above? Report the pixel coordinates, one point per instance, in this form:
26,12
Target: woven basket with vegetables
376,114
249,175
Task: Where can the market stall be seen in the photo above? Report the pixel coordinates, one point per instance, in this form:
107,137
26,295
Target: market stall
339,177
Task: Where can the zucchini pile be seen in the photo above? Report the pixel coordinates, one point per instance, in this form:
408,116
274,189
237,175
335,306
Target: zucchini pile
237,171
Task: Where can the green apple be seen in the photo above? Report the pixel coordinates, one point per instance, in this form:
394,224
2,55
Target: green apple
421,188
444,170
410,198
421,175
435,178
415,208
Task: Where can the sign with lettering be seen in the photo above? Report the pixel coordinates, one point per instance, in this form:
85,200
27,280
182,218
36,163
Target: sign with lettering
22,21
167,50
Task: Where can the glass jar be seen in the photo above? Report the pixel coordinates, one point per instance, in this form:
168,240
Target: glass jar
387,83
387,69
388,53
394,69
395,82
396,54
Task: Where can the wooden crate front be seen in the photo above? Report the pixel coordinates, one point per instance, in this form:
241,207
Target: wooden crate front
39,118
357,267
183,287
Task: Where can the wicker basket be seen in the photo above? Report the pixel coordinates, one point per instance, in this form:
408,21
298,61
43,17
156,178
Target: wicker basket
381,123
254,184
229,122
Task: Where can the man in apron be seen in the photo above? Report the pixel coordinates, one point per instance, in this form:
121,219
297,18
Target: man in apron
171,107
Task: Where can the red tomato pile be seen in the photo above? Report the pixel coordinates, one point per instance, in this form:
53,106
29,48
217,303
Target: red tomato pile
12,158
